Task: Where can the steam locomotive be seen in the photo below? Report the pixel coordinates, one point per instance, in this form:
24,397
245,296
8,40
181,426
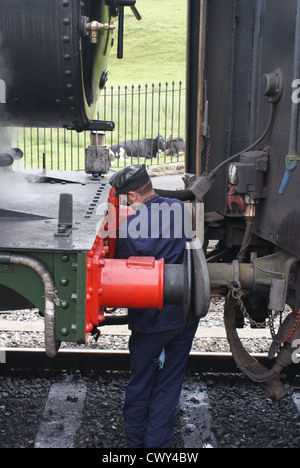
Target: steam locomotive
242,126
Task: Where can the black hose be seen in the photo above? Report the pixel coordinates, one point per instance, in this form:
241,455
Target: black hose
246,240
114,320
182,195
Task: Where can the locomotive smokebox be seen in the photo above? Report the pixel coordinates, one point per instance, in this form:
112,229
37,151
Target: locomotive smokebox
50,70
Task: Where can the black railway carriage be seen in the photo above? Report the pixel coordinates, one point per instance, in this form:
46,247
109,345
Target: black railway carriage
243,78
242,127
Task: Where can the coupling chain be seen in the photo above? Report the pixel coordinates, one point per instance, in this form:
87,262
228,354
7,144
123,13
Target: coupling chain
208,152
236,293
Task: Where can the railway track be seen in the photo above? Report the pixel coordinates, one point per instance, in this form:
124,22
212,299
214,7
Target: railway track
81,406
76,399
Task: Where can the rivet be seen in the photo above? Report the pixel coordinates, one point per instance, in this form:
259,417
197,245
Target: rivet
64,281
65,258
64,304
64,331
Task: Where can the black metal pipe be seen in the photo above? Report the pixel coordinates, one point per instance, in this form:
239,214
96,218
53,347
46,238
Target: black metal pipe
6,160
121,32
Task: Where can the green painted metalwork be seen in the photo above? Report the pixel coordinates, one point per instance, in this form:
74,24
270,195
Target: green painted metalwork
68,271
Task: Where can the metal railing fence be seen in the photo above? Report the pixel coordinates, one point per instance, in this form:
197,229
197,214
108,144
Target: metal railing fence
140,113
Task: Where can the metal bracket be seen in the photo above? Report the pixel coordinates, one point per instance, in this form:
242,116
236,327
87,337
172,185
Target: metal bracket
118,8
65,215
96,125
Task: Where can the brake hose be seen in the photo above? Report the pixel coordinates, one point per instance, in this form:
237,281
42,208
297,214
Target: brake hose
182,195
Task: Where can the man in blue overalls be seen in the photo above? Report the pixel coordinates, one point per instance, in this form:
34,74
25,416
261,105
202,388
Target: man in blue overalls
160,341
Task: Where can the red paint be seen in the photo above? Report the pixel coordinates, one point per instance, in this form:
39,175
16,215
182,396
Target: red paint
234,198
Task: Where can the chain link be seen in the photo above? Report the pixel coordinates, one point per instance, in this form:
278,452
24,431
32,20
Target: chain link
272,317
236,293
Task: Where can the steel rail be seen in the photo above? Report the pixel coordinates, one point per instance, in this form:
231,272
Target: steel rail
114,360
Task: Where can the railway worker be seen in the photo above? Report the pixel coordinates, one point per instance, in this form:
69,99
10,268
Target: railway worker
160,341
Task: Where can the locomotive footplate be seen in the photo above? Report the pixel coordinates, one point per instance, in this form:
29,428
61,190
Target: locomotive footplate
49,221
30,214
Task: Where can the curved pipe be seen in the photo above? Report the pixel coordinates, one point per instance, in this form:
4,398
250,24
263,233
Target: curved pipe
52,344
259,140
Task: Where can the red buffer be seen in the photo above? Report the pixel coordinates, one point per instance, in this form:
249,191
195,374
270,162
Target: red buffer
113,283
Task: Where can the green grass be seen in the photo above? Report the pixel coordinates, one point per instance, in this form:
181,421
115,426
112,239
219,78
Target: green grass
154,52
144,111
154,48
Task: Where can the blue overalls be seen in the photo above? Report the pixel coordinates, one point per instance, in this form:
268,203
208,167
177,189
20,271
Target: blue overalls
160,341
